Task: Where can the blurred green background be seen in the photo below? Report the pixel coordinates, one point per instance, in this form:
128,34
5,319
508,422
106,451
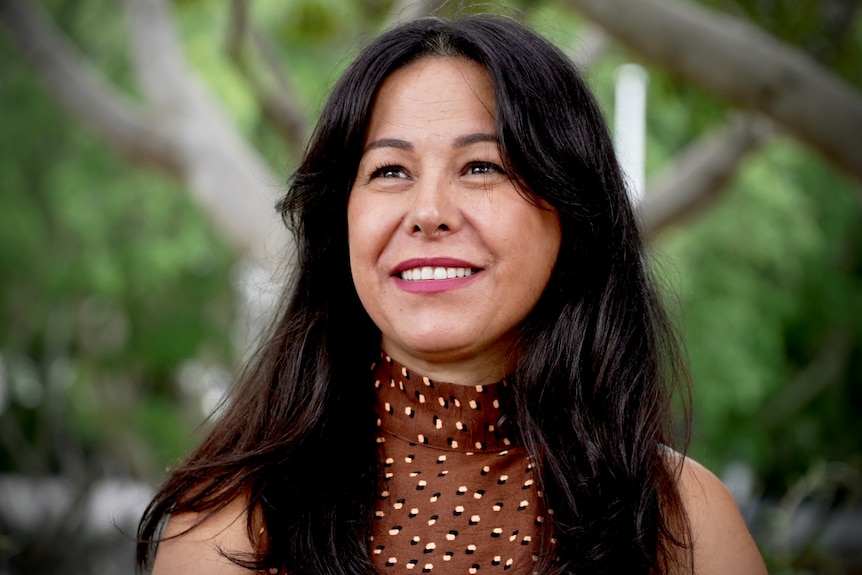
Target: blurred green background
120,301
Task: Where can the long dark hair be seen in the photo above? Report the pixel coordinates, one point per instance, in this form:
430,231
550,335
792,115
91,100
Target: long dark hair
596,360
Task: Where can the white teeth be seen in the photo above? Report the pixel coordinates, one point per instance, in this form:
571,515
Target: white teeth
435,273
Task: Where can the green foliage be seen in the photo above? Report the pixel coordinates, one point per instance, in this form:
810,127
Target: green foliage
768,283
111,279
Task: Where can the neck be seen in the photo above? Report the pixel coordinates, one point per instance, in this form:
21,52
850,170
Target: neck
483,369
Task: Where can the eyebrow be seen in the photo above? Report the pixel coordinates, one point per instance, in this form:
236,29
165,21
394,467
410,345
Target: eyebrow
461,142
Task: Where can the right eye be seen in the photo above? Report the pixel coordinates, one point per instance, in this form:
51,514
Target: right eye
389,171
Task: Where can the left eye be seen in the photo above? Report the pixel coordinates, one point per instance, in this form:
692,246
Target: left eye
484,168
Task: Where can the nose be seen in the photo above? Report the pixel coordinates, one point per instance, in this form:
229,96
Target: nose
434,209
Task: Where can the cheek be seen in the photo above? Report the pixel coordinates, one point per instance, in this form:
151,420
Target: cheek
364,243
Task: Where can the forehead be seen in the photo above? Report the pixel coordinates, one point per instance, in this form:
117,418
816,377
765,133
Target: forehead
432,91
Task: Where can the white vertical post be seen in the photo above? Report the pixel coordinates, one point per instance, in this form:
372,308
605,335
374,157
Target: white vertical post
630,126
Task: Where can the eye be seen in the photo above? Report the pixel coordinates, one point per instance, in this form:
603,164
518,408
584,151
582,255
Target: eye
484,169
389,171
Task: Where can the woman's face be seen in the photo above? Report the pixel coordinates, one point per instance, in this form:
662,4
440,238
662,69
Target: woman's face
446,255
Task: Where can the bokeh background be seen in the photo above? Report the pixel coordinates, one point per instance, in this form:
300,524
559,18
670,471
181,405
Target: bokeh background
142,147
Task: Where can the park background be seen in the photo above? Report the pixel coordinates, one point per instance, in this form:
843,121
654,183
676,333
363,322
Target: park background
143,144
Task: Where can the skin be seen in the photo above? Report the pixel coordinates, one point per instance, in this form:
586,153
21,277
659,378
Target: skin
430,190
434,198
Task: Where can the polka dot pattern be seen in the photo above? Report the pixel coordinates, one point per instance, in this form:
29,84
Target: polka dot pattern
457,494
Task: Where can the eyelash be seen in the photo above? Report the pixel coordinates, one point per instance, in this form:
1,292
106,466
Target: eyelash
378,171
486,165
381,169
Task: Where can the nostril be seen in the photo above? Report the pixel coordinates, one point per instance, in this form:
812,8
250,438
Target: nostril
443,227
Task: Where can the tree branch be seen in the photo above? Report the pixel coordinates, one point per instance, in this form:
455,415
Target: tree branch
81,91
588,47
699,173
275,96
740,63
228,178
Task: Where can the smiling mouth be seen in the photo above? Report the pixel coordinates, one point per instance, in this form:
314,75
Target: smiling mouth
426,273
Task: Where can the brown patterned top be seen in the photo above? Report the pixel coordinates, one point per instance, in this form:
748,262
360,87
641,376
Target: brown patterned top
458,494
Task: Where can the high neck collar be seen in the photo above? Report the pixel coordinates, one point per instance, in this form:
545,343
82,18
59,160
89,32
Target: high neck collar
439,414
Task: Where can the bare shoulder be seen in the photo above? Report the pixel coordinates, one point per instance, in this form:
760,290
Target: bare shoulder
722,542
194,548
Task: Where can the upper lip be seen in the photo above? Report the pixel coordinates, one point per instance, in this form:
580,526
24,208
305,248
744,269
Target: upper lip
431,262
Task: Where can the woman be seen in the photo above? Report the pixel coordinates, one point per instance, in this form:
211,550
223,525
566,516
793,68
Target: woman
472,371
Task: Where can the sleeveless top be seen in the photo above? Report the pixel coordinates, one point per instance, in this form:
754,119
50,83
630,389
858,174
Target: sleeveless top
458,494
